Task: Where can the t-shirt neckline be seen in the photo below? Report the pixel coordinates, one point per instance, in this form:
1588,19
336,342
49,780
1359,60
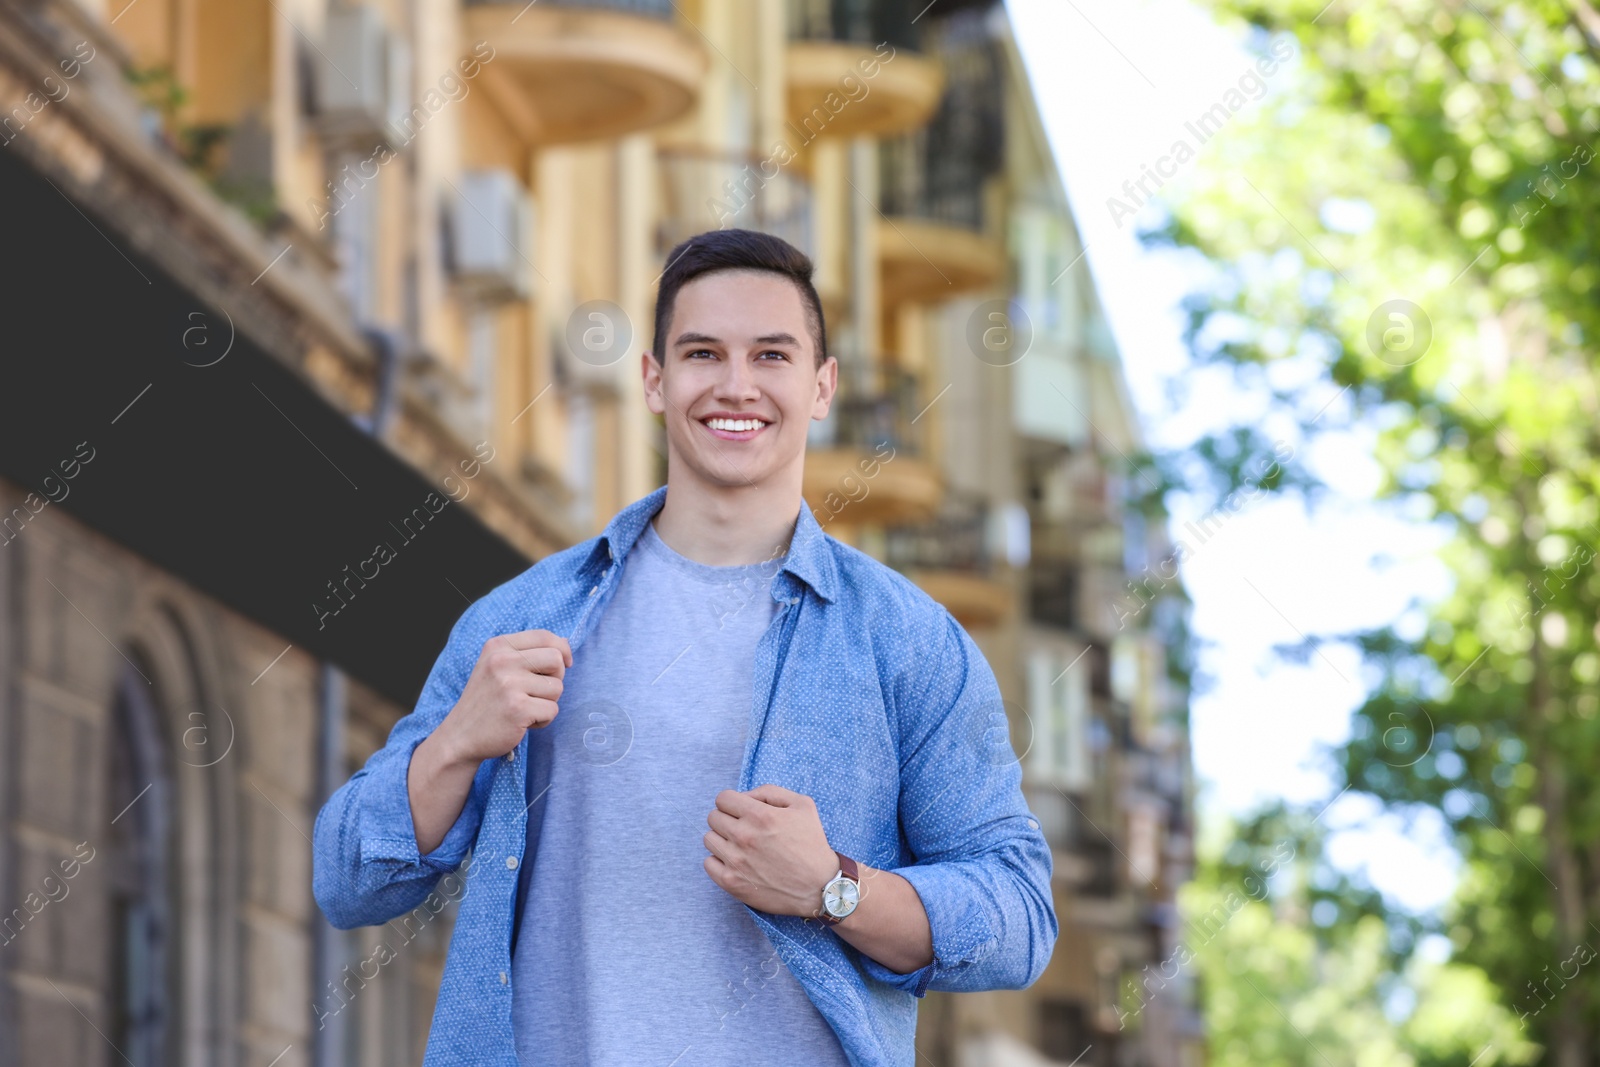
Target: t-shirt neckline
712,574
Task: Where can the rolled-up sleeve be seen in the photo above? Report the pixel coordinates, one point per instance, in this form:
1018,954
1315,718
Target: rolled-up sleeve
982,866
365,865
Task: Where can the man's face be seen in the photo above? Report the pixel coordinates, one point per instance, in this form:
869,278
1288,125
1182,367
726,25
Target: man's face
738,351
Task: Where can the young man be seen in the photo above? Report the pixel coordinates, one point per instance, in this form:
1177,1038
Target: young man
735,792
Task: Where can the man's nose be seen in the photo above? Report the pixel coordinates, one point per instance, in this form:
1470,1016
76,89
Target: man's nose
738,377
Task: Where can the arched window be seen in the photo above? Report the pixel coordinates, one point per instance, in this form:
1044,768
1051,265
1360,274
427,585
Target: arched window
142,942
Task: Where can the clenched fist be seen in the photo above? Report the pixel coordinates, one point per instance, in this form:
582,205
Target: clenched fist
513,688
769,850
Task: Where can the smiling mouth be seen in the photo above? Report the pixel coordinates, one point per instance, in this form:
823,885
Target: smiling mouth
735,429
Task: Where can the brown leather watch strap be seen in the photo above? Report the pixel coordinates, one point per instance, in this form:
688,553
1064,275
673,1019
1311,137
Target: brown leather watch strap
848,868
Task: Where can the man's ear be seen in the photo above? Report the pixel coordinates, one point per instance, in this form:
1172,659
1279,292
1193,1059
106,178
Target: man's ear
651,371
827,387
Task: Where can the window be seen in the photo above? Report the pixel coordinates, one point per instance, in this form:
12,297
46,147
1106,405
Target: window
1124,668
481,341
142,945
1100,853
1063,1030
1058,703
1135,546
354,208
581,445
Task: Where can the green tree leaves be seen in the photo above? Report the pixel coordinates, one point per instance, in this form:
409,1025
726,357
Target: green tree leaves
1441,157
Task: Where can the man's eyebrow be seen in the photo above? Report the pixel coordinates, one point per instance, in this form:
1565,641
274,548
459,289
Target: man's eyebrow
764,339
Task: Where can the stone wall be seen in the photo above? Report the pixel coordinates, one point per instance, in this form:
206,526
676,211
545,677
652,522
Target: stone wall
238,713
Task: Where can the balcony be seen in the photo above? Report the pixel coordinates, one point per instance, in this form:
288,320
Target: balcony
924,261
950,558
865,463
1054,589
1084,858
934,240
853,68
707,190
1055,583
567,71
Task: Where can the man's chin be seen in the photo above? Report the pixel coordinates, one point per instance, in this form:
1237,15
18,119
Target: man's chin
735,479
726,475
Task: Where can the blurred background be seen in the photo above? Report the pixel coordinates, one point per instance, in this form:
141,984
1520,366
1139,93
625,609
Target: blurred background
1230,359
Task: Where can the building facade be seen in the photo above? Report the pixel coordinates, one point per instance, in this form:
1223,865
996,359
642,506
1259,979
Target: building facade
300,273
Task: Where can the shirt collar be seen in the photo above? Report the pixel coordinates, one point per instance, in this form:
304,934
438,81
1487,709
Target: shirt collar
809,558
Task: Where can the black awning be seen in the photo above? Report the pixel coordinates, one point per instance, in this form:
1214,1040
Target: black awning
235,476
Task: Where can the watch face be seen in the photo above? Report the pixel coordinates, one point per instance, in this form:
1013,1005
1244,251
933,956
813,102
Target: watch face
840,897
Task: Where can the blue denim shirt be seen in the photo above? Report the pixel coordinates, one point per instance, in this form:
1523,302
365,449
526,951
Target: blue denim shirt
869,697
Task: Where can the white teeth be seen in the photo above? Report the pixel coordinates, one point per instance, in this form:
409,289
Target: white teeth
734,425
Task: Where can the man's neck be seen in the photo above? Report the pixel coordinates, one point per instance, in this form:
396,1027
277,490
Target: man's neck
728,527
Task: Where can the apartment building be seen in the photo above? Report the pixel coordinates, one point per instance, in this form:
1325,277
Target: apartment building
333,312
1080,614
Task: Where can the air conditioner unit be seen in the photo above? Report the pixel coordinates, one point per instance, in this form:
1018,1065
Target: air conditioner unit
354,81
491,236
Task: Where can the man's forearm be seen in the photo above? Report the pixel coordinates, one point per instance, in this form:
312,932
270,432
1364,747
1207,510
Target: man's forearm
438,786
890,924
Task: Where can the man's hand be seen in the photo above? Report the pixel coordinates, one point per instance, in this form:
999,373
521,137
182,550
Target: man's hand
768,849
513,688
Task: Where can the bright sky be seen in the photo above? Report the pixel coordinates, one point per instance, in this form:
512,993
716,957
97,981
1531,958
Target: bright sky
1116,81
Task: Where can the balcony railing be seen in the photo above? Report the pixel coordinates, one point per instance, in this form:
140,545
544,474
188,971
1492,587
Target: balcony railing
660,9
868,22
1054,591
1102,881
706,190
1072,831
870,420
939,171
957,540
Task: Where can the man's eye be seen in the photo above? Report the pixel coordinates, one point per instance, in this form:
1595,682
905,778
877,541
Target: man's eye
700,352
775,352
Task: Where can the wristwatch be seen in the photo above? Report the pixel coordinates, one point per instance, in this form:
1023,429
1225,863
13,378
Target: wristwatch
842,893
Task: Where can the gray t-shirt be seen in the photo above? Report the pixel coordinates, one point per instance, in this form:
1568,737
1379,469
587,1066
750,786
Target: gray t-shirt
627,952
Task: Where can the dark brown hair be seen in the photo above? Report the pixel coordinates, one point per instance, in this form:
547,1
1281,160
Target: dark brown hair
737,250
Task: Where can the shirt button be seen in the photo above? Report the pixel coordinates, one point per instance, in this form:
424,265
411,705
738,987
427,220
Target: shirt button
511,863
511,757
502,978
592,591
1032,824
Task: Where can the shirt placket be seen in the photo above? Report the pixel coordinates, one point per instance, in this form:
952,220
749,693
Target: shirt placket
505,832
771,652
